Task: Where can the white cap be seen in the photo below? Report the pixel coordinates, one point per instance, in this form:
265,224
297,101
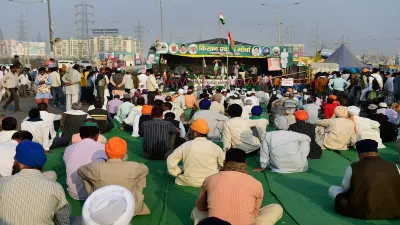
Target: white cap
353,110
185,87
111,204
383,105
181,91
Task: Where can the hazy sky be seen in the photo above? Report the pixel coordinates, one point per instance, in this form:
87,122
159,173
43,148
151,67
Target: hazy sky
358,20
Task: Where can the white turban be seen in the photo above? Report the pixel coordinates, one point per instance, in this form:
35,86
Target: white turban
111,204
282,123
185,87
353,110
181,91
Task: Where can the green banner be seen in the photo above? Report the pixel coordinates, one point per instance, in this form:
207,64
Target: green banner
219,50
284,53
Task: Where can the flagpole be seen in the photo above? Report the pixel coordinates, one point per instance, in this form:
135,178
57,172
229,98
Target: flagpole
219,30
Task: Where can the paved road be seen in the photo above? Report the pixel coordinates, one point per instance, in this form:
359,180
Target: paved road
26,104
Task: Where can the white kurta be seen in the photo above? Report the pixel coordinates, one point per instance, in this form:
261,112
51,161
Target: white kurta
285,151
40,133
368,129
238,134
49,119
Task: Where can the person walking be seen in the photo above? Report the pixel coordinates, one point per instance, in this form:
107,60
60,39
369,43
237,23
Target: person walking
10,82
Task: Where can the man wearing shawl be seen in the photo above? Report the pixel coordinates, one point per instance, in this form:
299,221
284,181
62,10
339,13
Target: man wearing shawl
214,120
284,151
72,85
117,170
366,128
369,188
219,195
337,133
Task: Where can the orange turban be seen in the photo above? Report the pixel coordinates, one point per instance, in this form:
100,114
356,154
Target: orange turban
290,90
301,115
201,126
64,68
365,70
332,97
146,109
116,148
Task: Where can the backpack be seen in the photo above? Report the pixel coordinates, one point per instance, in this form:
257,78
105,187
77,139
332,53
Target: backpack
353,79
375,85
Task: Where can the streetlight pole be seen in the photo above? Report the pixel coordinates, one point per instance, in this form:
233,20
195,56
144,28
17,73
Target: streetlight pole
278,9
162,25
27,24
264,25
50,29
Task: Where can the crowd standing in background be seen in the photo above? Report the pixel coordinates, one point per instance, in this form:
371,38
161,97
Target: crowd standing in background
338,111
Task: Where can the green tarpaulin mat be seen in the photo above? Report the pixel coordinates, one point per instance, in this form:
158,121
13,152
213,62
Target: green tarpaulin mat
304,196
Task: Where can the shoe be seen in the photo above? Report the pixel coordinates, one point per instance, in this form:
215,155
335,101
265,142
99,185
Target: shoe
54,106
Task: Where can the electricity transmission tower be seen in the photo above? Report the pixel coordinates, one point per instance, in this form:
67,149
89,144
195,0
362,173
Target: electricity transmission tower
138,29
83,18
21,29
39,38
3,46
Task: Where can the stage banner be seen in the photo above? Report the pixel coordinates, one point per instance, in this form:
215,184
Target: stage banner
274,64
284,53
287,82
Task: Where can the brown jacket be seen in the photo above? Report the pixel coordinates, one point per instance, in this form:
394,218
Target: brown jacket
321,83
131,175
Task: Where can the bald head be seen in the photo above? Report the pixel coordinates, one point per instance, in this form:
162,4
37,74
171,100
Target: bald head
218,98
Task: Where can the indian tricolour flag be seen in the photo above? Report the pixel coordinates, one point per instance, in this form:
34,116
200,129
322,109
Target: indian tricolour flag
337,42
221,18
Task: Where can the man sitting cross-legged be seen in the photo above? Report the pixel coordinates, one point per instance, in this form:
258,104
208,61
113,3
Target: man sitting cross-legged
201,157
117,171
370,187
234,195
30,196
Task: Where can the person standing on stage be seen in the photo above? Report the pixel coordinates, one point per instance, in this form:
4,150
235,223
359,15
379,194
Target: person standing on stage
152,86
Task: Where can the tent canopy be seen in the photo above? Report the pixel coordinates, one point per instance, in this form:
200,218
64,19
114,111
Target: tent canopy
344,58
222,41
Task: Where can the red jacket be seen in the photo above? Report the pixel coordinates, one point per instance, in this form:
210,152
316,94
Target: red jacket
329,110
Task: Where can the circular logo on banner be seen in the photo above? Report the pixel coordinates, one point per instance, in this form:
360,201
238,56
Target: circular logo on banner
173,48
183,49
256,51
276,51
192,49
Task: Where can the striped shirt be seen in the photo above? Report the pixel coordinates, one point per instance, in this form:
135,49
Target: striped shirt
31,198
156,134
